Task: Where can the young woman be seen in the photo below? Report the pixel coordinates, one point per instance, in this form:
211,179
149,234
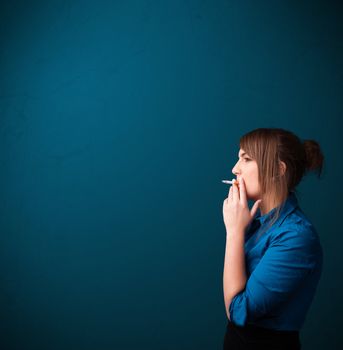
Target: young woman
273,257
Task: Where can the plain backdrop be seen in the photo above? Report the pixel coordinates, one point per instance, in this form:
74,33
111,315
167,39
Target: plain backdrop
118,121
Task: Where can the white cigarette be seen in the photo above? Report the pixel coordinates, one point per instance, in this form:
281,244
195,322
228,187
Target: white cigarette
229,181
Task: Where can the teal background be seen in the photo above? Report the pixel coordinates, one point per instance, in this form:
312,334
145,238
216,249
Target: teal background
118,121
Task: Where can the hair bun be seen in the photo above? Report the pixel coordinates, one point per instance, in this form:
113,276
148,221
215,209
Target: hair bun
314,156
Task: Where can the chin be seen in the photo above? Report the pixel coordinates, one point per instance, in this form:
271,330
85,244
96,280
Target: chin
249,197
252,197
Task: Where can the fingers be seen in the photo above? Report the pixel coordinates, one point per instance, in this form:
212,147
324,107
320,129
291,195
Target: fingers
235,190
255,207
230,194
242,192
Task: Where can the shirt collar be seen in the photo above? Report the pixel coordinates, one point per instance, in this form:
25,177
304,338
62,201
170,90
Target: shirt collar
289,205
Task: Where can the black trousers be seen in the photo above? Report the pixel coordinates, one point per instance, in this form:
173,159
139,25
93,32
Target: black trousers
252,337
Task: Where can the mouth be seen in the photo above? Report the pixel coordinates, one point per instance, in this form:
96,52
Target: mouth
236,182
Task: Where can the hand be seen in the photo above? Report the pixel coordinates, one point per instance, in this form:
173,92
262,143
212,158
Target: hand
236,213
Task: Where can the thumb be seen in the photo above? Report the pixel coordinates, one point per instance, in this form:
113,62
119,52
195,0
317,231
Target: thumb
255,207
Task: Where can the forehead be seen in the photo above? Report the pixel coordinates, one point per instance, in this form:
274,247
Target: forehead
241,152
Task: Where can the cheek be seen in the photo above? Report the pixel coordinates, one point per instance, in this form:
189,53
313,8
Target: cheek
251,187
251,182
252,191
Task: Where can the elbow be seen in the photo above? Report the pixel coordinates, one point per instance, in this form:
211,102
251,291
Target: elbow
231,294
237,310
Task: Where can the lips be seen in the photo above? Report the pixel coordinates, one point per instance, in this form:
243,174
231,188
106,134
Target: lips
236,182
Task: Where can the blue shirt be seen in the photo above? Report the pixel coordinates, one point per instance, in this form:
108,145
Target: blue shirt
283,268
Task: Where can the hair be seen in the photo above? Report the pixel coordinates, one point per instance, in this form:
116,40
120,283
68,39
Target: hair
269,146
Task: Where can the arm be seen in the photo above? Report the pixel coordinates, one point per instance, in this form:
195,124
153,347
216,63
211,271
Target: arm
234,276
289,259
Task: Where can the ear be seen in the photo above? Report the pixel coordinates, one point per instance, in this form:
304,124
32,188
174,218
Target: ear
282,168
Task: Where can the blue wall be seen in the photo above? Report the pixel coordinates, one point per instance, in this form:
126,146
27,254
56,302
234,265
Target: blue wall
118,121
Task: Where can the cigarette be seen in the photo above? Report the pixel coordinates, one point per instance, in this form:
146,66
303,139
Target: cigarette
231,182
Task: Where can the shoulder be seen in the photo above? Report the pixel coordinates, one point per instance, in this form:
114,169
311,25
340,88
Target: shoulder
296,224
298,234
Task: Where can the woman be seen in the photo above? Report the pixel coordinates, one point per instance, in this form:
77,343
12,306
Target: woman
273,258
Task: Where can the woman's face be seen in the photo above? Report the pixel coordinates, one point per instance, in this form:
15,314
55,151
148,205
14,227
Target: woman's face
246,168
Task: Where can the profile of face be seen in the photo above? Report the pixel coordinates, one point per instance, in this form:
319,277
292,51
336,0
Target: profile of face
246,168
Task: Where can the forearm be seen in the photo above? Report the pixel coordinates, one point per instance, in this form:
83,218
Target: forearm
234,276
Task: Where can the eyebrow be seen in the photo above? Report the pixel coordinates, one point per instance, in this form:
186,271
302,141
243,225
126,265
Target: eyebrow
243,153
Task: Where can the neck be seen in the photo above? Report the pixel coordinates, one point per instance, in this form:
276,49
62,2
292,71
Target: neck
263,209
269,204
266,207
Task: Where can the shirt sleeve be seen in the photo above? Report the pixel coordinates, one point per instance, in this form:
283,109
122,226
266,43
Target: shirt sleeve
288,260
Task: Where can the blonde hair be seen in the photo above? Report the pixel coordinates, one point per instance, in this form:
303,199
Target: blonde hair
268,147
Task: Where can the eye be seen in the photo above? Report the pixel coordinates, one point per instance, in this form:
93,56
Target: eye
247,159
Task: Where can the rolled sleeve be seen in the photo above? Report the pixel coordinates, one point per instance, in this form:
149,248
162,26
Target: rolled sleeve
241,306
288,260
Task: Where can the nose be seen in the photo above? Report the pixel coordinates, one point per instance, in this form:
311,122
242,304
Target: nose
235,170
